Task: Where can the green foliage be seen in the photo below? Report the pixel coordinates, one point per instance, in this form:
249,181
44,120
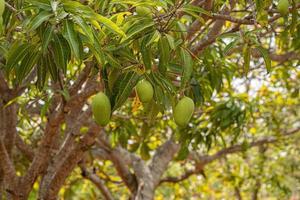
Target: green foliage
208,87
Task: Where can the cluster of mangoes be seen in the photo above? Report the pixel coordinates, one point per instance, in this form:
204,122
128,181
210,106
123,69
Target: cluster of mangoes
101,106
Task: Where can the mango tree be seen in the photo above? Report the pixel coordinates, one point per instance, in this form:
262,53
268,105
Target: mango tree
147,99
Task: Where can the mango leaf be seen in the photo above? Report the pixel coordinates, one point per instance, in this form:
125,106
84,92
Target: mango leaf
265,54
51,67
87,30
196,9
155,37
109,24
187,66
146,53
41,73
72,37
229,35
39,19
27,64
193,14
61,51
164,52
231,45
43,4
246,56
16,54
96,48
138,28
111,60
122,88
47,37
87,12
171,41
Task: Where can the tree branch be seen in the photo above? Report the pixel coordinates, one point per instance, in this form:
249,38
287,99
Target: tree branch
201,161
42,155
120,162
97,181
217,16
163,155
241,147
176,179
208,5
51,190
6,164
3,84
212,34
273,56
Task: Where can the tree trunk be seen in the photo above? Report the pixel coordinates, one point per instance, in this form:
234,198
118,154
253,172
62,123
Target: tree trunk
8,124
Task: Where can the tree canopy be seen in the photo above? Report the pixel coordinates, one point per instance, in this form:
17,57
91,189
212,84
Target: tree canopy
149,99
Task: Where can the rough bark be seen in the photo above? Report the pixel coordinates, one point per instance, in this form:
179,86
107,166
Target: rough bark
212,34
98,182
162,158
59,176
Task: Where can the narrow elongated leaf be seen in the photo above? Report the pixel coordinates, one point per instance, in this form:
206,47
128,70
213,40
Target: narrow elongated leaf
171,41
193,14
231,45
138,28
96,48
16,54
146,54
110,24
195,9
41,73
43,4
27,64
265,54
155,37
85,28
72,38
246,55
164,51
51,67
111,60
47,37
122,88
87,12
187,66
39,19
61,52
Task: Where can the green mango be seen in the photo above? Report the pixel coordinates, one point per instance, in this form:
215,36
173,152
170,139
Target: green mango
145,91
2,6
101,109
183,111
283,7
143,11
